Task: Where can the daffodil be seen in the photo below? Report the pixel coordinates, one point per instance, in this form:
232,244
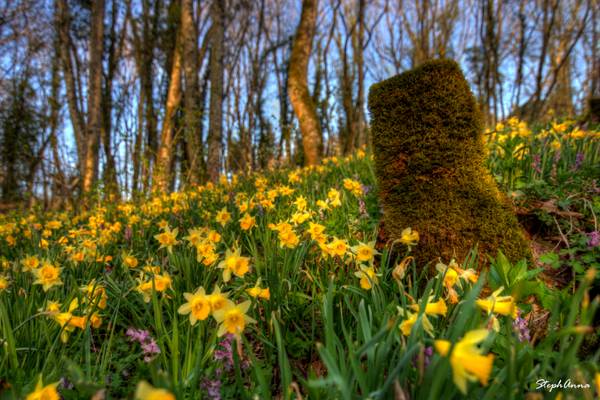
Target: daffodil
52,307
334,198
364,252
315,230
353,186
400,269
453,275
285,190
209,259
504,305
467,361
300,217
4,283
235,264
258,292
48,276
233,318
322,204
213,236
247,222
42,392
409,237
197,306
68,321
411,319
77,257
145,391
217,299
96,293
203,249
130,261
433,308
160,283
300,203
287,236
163,224
53,225
338,247
167,239
367,276
30,263
223,216
195,236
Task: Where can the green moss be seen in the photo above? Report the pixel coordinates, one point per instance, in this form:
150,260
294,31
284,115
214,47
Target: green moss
429,162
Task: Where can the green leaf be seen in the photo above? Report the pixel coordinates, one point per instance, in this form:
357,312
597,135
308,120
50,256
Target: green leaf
551,259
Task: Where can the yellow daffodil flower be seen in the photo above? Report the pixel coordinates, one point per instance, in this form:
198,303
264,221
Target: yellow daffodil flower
233,319
197,306
409,237
223,216
4,283
338,247
30,263
468,364
145,391
258,292
247,222
437,308
364,252
130,261
411,320
48,276
235,264
217,299
167,239
367,276
42,392
504,305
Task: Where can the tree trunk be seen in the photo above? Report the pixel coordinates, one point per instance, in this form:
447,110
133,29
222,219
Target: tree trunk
76,117
192,117
360,76
111,185
94,119
162,171
216,91
304,107
59,192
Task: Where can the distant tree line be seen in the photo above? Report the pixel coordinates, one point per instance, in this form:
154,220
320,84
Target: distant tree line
134,96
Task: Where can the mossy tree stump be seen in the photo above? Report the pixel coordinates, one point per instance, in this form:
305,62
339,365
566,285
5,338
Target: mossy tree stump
429,162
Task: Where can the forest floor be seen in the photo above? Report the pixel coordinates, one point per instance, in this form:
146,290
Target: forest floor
271,285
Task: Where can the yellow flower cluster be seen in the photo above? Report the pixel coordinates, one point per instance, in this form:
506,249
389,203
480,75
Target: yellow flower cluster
231,317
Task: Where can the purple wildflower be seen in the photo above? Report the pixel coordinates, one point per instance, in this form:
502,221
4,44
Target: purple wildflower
147,342
521,328
362,208
578,160
224,352
137,335
427,354
128,233
213,388
594,239
65,383
556,158
536,164
150,349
